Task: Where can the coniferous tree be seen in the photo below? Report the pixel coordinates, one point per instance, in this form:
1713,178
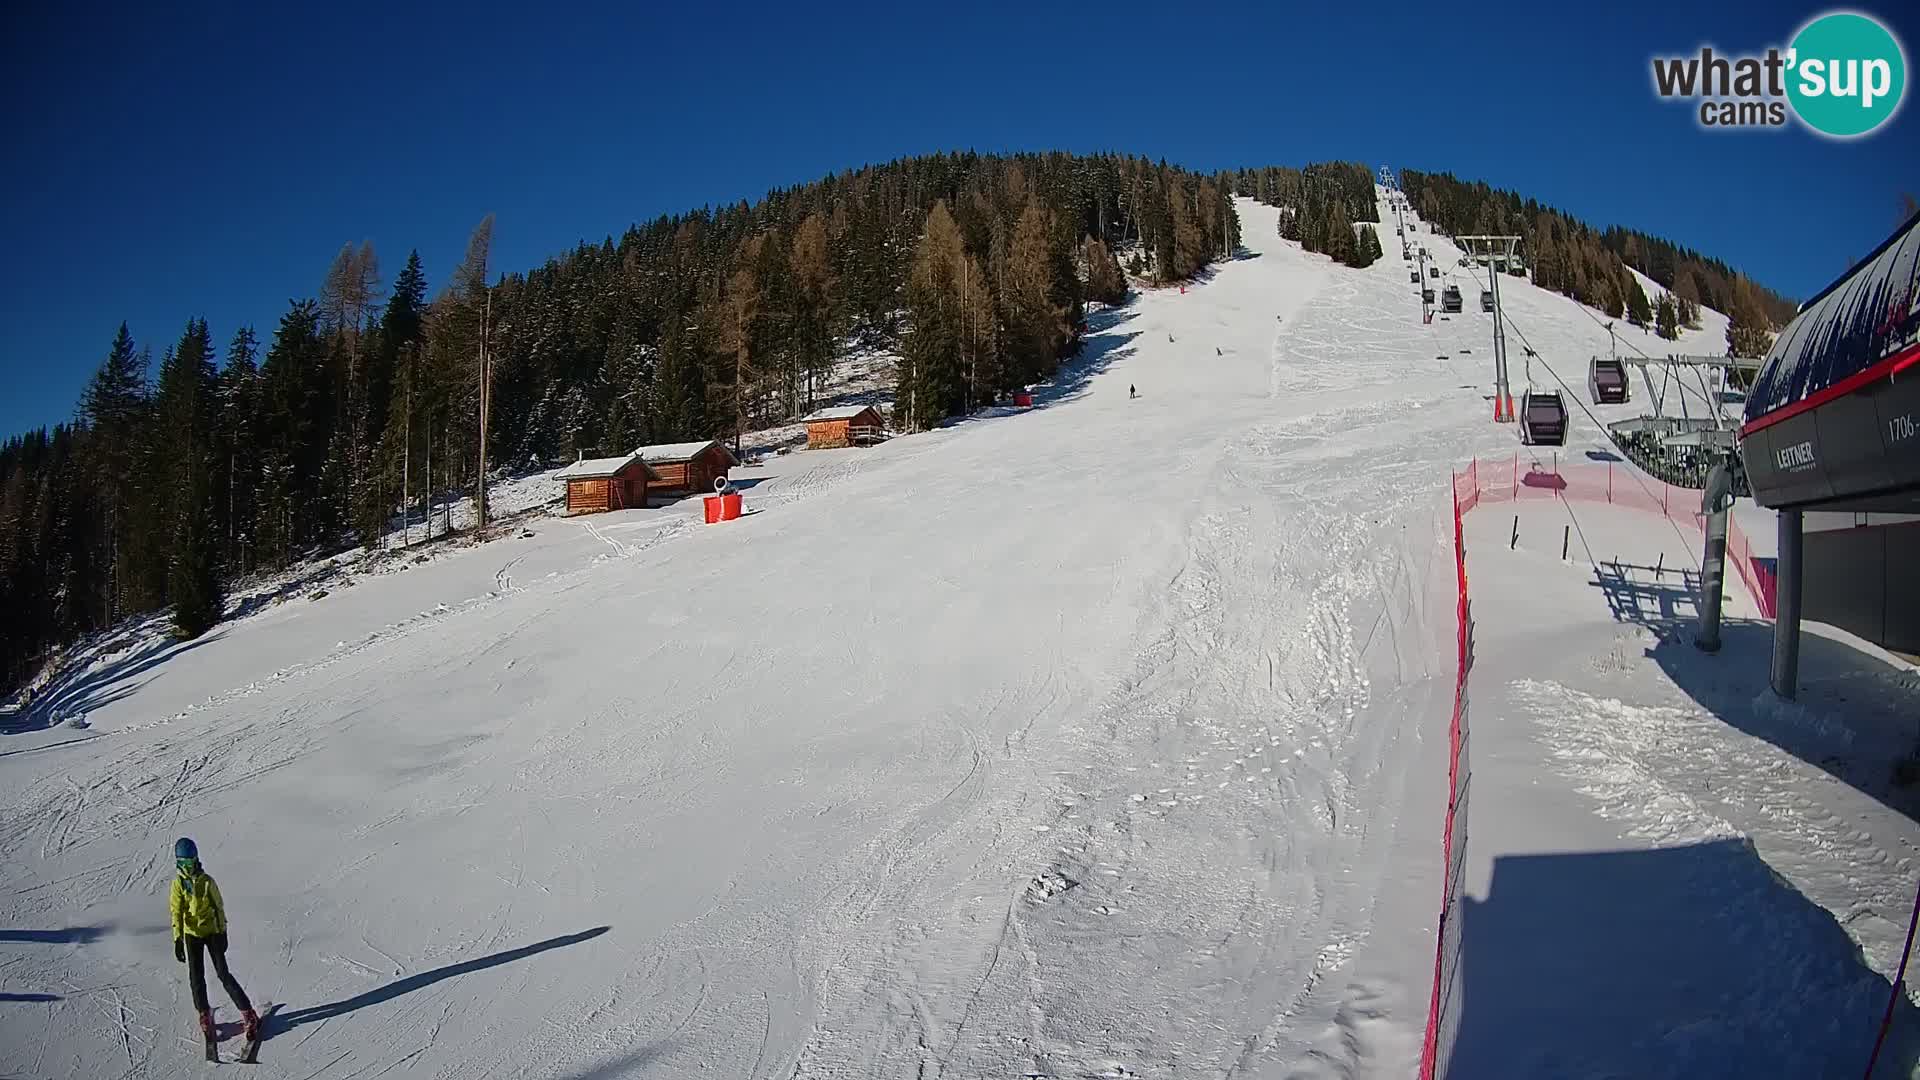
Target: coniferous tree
1037,327
1366,247
293,437
1748,332
930,386
1339,234
981,344
463,321
1578,260
1106,282
401,339
814,316
237,450
1639,311
1666,321
115,408
184,404
733,316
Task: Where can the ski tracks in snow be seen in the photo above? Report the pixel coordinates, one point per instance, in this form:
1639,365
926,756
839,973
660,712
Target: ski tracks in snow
1678,775
1242,784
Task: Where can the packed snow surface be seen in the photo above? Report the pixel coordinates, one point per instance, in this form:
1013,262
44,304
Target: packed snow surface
1671,872
1100,739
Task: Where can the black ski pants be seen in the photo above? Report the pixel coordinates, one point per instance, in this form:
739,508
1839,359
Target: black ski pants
199,949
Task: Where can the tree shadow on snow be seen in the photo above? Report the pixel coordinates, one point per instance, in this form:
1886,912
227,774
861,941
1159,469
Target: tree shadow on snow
1097,354
1855,717
1107,318
1673,962
379,994
82,687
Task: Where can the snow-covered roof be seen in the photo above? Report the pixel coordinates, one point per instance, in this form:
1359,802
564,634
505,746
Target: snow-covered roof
681,451
843,412
595,468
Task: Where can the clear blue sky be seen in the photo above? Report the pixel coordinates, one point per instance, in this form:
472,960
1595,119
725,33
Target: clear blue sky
167,161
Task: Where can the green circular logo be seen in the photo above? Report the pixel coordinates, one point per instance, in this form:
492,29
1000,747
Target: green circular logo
1846,74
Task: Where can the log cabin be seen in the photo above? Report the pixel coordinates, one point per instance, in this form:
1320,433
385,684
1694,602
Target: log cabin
689,468
596,485
849,425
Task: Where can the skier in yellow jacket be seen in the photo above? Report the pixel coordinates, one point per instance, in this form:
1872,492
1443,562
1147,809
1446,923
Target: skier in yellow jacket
200,927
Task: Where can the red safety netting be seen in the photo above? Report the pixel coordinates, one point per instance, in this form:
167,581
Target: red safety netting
1524,476
1442,1013
1514,479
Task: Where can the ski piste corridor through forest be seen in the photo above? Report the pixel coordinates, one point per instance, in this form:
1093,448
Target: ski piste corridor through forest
1102,739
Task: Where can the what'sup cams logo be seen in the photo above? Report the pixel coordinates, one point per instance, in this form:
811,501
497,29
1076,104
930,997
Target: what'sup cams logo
1843,76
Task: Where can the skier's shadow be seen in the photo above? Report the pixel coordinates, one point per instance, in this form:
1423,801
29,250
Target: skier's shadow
288,1021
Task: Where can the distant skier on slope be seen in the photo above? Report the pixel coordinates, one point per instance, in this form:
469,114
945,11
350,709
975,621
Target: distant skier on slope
200,931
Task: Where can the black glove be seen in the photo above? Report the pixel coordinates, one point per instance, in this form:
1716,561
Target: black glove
179,950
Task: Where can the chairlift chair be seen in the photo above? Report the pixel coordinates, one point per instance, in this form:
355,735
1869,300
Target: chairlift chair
1543,418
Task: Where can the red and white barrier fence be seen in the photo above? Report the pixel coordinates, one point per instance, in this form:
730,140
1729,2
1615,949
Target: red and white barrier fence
1443,1013
1514,480
1519,479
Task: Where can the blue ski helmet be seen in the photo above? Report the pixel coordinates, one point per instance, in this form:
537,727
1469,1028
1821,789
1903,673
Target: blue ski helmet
183,849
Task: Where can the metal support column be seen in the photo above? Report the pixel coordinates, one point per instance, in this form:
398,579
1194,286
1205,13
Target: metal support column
1713,576
1502,396
1500,254
1786,623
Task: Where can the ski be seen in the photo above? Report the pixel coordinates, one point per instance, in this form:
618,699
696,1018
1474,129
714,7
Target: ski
250,1055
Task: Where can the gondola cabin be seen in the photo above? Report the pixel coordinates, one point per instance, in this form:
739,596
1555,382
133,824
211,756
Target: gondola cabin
1413,276
597,485
1543,418
1450,299
1486,300
1607,381
1426,296
1433,271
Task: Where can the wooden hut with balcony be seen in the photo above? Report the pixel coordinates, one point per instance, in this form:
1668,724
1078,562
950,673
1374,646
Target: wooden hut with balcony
849,425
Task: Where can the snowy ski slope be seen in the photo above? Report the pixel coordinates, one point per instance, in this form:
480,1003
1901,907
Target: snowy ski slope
1100,740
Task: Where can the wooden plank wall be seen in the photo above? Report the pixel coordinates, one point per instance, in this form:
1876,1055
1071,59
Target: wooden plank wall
586,496
828,434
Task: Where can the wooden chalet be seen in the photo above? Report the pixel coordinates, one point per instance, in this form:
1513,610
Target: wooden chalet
850,425
596,485
689,468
